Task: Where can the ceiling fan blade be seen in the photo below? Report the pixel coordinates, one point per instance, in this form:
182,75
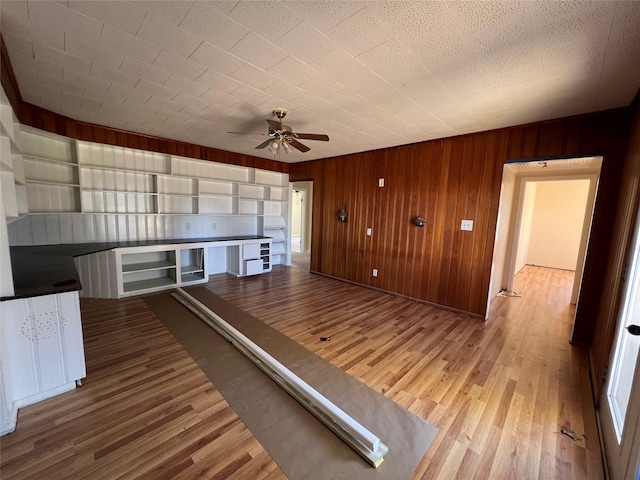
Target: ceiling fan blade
248,133
264,144
274,125
312,136
298,146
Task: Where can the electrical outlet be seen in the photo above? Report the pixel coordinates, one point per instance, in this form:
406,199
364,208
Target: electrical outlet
381,182
188,225
375,272
466,225
369,232
214,226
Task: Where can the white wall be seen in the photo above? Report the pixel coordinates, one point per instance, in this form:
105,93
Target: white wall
528,207
48,229
296,210
305,238
557,222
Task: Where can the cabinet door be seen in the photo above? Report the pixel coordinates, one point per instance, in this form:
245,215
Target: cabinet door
250,251
42,343
253,267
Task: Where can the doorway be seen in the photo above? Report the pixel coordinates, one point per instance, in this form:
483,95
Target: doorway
301,220
297,204
517,200
555,218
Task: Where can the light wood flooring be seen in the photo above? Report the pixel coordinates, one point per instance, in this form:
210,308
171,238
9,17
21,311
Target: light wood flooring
499,392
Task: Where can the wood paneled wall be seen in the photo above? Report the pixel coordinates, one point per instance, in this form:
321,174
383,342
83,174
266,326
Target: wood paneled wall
447,181
37,117
624,220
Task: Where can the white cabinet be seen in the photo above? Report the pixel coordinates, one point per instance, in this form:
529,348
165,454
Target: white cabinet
250,258
250,250
42,351
123,272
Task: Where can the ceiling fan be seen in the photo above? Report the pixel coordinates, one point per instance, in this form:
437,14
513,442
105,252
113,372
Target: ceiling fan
282,137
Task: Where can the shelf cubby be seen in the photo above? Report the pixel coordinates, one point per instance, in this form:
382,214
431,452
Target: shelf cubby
148,270
211,187
121,158
191,264
117,202
217,205
172,204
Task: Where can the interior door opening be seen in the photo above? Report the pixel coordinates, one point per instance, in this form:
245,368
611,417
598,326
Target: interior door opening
301,221
516,242
297,203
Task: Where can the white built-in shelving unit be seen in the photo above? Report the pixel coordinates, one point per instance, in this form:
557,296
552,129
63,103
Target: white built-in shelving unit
126,271
51,172
65,176
12,174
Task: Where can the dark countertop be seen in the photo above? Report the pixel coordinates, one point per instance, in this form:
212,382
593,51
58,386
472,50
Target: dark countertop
48,269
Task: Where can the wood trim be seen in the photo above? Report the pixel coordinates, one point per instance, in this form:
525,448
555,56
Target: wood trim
43,119
8,78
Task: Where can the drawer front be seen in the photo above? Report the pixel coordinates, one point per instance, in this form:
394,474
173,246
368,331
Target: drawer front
250,251
253,267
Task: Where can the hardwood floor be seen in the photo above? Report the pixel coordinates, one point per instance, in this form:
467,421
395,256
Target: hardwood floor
499,392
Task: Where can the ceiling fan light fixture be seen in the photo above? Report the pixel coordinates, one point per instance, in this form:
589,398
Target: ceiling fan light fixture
274,146
282,137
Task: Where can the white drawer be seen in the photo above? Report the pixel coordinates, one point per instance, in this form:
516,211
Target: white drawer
250,250
252,267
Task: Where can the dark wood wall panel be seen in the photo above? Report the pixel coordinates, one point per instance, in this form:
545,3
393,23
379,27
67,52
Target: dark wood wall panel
624,220
447,181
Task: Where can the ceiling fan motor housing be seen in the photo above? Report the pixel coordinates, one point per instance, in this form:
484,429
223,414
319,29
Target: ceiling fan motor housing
280,112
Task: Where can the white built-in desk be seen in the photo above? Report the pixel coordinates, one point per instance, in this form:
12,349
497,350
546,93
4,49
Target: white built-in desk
126,271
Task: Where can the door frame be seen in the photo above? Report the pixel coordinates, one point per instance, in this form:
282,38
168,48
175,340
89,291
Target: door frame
628,449
306,227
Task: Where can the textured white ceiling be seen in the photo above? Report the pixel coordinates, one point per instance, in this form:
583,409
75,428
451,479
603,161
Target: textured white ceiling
368,74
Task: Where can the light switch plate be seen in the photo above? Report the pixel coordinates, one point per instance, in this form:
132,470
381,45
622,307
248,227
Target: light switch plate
369,232
375,272
381,182
466,225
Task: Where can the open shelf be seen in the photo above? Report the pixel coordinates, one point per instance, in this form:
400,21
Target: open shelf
147,266
147,284
191,264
